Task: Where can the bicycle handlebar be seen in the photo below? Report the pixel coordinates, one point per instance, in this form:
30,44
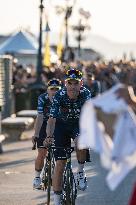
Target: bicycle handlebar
68,150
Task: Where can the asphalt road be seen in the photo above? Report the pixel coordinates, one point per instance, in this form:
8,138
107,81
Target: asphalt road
17,172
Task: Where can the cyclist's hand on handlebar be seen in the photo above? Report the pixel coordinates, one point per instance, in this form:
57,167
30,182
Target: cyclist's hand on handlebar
34,139
48,141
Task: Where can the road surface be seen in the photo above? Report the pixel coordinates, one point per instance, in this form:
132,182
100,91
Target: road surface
17,172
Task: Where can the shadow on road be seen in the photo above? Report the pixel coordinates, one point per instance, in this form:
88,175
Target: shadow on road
43,197
17,150
15,163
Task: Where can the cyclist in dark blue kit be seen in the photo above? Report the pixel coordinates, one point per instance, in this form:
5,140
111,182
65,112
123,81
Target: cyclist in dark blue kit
63,124
44,104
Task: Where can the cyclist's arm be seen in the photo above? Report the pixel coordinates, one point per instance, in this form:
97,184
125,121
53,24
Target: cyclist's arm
40,115
50,126
53,115
38,124
54,110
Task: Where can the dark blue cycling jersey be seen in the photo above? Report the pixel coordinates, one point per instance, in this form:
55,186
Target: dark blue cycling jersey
66,109
44,105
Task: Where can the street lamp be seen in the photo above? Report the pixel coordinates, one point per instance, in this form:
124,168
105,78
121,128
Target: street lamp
67,16
80,28
67,10
38,86
39,55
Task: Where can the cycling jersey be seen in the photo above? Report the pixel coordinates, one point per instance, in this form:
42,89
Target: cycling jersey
67,109
44,105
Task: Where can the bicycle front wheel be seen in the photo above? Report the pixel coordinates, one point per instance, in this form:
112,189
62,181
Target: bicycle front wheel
49,183
70,190
73,189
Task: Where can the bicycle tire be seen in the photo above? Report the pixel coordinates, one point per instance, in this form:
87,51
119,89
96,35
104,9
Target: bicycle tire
49,183
69,188
45,176
52,167
73,189
63,198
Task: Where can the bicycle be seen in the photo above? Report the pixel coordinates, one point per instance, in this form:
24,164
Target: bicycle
69,189
48,170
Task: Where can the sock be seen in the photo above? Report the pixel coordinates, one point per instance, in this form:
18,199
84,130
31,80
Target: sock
80,166
37,173
57,198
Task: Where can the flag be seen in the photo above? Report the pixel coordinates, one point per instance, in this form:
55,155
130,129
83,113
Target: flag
46,59
110,139
60,45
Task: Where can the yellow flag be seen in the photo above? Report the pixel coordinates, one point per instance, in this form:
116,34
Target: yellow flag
46,59
60,45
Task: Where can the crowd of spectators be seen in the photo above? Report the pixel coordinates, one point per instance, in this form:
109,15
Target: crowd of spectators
98,77
105,73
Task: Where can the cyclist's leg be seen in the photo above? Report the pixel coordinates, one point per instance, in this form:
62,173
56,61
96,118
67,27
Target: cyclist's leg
58,175
81,154
81,157
39,162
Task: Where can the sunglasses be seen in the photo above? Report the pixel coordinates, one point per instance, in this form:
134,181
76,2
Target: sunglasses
54,88
77,73
54,82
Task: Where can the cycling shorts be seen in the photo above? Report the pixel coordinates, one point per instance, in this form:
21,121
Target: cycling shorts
42,134
64,132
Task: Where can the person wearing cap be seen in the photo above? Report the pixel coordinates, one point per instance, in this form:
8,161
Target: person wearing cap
44,104
92,84
63,125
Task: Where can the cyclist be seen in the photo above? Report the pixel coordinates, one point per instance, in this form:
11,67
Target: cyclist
63,124
44,103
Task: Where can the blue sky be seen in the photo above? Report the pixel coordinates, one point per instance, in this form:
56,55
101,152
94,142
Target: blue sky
112,19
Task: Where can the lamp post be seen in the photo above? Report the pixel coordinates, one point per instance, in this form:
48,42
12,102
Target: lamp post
80,28
67,16
39,55
67,11
38,86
